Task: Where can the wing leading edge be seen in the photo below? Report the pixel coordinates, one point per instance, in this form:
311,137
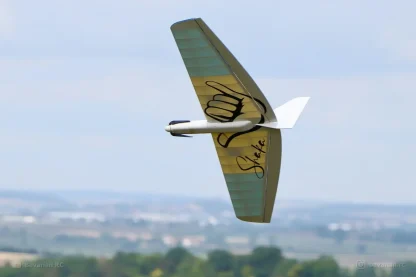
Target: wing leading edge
250,160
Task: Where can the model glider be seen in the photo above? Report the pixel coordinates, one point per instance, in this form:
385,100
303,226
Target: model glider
244,127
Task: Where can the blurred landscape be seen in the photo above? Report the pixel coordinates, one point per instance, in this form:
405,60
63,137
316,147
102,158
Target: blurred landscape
86,88
103,223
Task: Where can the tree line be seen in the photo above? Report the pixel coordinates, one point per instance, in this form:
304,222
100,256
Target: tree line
179,262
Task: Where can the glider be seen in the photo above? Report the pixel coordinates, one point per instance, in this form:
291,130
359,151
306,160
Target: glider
244,127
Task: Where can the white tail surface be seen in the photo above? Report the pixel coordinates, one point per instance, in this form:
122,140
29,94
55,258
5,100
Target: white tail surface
287,114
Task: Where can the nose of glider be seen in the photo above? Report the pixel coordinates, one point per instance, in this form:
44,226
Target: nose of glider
167,128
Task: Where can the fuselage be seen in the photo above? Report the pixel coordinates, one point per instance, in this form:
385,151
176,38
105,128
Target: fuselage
205,127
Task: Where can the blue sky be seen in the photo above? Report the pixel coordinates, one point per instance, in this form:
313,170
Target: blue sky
86,89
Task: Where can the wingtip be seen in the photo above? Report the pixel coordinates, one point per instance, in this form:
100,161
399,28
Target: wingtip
253,219
184,21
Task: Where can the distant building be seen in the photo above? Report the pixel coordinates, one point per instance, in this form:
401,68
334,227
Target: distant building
170,241
241,240
132,236
211,221
160,217
87,216
82,233
18,218
193,241
340,226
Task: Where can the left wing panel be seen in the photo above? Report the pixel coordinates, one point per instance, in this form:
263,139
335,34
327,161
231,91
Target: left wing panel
225,91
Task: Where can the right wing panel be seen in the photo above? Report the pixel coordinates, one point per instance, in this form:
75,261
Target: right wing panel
251,168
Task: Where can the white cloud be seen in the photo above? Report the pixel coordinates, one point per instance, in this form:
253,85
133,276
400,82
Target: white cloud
384,101
400,44
141,29
356,133
7,20
40,84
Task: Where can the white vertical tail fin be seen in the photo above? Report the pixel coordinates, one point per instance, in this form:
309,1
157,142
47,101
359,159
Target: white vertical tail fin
287,114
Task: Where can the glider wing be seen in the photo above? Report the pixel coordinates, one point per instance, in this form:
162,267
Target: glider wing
250,160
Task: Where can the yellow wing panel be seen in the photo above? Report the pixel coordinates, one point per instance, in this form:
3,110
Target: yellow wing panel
245,153
244,165
227,93
222,95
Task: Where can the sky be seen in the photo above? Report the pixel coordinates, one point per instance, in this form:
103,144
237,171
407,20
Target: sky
87,87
